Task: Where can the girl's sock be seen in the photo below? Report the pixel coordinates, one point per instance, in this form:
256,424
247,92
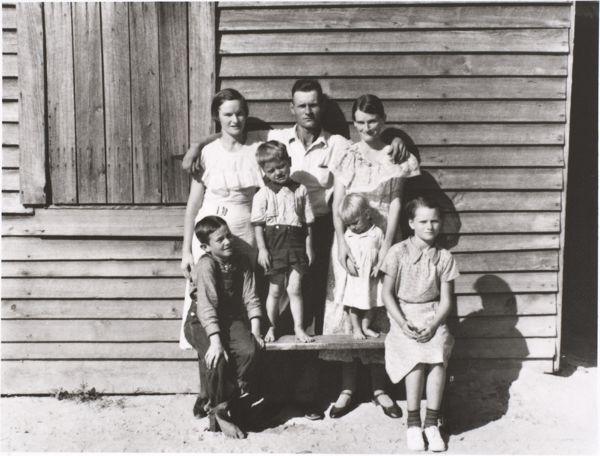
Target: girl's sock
414,418
431,417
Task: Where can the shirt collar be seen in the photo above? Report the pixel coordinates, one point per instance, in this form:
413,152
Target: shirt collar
275,187
352,234
322,139
433,253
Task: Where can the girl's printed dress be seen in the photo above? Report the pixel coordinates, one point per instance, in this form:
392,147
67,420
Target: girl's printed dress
379,182
230,180
417,274
362,291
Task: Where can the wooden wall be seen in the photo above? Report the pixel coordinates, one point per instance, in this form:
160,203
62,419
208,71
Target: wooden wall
10,114
93,294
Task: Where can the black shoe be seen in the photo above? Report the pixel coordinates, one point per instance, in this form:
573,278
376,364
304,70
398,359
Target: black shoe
313,413
393,411
338,412
200,407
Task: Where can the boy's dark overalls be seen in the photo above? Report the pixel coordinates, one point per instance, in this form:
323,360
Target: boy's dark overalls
223,302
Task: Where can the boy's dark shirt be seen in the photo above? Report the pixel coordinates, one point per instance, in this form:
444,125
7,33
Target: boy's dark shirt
223,291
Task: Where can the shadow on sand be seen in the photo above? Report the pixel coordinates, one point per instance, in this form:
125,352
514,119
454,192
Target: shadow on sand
478,390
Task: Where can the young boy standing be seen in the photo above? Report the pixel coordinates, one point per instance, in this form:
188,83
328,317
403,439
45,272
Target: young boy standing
223,301
282,217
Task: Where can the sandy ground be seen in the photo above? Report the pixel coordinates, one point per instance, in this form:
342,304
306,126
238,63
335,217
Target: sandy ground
526,413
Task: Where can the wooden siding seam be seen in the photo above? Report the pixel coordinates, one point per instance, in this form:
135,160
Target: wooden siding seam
559,302
102,71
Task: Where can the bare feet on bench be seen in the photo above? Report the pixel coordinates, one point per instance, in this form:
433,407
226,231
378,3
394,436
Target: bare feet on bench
357,334
270,336
227,426
370,333
301,335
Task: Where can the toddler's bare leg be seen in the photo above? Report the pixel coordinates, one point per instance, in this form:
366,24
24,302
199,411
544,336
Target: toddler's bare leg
366,322
294,290
272,304
355,319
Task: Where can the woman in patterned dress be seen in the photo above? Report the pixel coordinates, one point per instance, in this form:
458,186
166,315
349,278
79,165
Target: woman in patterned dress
365,168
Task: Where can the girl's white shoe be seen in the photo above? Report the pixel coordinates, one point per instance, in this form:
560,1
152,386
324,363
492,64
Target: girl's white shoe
414,439
434,439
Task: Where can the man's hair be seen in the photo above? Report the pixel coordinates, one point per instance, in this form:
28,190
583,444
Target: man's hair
271,151
422,201
369,104
226,95
308,85
352,206
207,226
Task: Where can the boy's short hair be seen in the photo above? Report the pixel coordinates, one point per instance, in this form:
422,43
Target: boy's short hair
308,85
352,206
422,201
207,226
271,151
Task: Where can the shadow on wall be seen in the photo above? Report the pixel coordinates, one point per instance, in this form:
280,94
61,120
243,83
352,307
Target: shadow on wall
480,390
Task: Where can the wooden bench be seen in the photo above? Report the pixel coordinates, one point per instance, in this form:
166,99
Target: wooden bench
328,342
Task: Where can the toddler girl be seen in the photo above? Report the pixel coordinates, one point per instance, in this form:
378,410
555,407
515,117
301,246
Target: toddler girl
417,292
359,294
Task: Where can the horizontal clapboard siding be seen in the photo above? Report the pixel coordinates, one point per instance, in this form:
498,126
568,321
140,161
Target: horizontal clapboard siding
94,294
505,304
466,348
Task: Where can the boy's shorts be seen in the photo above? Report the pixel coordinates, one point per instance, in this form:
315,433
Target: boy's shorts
287,246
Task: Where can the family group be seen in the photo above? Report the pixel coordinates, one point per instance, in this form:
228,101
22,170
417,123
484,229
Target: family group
316,219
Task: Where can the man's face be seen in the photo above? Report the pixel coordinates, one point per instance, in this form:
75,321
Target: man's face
306,109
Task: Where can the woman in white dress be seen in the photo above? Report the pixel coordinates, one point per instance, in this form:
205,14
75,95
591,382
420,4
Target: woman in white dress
365,168
225,186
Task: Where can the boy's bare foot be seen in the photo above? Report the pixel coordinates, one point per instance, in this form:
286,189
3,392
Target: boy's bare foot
301,336
370,333
227,426
358,334
270,336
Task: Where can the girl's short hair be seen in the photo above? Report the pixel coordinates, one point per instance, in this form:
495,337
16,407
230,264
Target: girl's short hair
207,226
422,201
271,151
368,103
352,206
227,95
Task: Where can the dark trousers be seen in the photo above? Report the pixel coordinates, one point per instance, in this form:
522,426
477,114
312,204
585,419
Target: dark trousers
229,378
314,283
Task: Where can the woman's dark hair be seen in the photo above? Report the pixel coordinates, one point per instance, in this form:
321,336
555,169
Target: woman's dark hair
368,103
207,226
308,85
226,95
422,201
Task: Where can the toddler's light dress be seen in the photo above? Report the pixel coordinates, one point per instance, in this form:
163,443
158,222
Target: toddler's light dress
362,291
379,182
418,275
230,180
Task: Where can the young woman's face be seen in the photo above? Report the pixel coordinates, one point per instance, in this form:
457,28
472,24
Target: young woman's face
277,171
232,117
426,224
369,126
